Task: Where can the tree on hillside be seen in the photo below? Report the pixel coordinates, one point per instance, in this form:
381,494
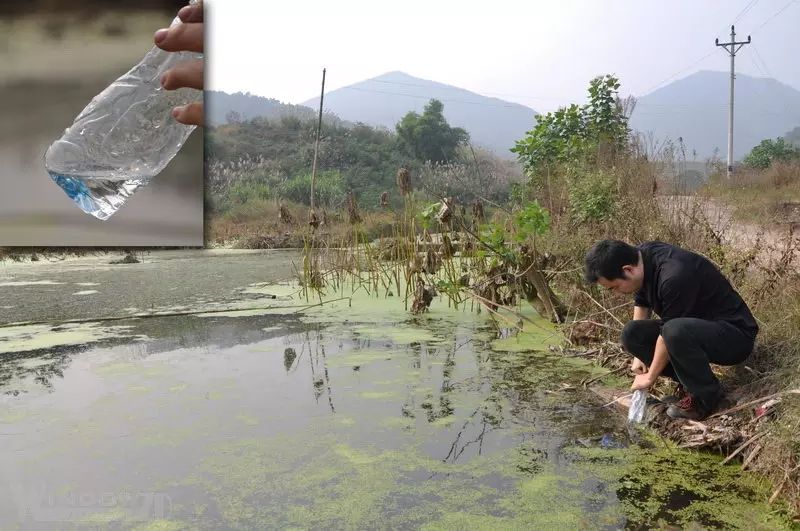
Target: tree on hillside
233,117
769,151
428,137
793,136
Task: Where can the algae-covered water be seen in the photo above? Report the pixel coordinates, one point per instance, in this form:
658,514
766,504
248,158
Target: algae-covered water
347,415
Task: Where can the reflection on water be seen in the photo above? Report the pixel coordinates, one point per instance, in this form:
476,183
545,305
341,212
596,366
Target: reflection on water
280,421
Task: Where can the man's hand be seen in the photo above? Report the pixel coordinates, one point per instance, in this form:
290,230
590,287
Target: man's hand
638,366
185,37
642,381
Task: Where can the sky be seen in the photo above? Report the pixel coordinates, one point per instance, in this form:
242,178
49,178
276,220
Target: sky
540,53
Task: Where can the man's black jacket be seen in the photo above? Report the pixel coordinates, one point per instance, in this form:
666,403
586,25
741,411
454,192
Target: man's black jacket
680,283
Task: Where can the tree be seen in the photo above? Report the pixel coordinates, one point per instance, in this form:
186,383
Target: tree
233,117
793,137
769,151
578,132
428,137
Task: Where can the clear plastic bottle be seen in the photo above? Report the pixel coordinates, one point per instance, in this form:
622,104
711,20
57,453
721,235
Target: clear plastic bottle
638,404
124,137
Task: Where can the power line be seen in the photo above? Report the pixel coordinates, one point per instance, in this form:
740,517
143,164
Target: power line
781,10
747,8
445,87
767,74
509,106
676,74
668,108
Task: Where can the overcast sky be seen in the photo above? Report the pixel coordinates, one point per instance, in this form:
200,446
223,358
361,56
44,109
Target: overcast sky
538,53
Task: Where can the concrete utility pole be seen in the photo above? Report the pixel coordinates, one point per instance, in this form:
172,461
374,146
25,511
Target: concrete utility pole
731,47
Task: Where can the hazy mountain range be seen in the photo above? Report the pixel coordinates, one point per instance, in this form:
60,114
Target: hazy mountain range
694,108
384,100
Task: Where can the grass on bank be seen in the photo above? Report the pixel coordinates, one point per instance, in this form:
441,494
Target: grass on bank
770,197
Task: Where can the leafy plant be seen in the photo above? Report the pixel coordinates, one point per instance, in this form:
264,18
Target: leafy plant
592,197
428,214
330,188
577,132
533,220
768,151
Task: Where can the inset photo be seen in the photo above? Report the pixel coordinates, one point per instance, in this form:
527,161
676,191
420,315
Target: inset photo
99,107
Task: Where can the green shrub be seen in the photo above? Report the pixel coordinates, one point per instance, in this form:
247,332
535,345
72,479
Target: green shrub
592,197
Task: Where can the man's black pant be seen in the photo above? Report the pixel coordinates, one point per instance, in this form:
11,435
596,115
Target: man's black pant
692,344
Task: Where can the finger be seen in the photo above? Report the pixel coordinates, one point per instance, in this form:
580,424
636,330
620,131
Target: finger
183,37
185,74
193,13
191,114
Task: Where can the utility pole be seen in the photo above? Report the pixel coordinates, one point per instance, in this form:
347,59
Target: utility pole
731,47
316,145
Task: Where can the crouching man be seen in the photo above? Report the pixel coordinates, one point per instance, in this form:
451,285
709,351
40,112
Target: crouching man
703,320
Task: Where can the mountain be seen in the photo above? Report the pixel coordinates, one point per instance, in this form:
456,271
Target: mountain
382,101
695,108
219,107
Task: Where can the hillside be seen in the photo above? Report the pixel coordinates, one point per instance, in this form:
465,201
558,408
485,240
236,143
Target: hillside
695,108
247,106
382,101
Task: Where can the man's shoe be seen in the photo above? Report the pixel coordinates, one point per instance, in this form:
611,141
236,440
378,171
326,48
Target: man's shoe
688,408
680,393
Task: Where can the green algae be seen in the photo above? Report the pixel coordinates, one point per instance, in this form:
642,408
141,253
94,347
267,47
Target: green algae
687,488
397,334
359,358
117,368
280,290
29,283
11,417
346,421
274,310
377,395
444,421
36,337
366,487
248,420
531,338
162,525
401,423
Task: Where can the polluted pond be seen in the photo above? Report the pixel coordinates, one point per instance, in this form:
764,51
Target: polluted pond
340,411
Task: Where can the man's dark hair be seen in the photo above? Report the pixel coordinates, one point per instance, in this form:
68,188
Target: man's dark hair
606,259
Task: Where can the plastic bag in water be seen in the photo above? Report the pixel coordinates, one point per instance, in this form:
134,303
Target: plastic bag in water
124,137
637,407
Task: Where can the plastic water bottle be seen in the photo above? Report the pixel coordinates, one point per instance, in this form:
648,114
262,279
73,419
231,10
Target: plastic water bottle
124,137
637,407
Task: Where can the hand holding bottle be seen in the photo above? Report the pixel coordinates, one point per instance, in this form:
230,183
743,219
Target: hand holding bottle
185,37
